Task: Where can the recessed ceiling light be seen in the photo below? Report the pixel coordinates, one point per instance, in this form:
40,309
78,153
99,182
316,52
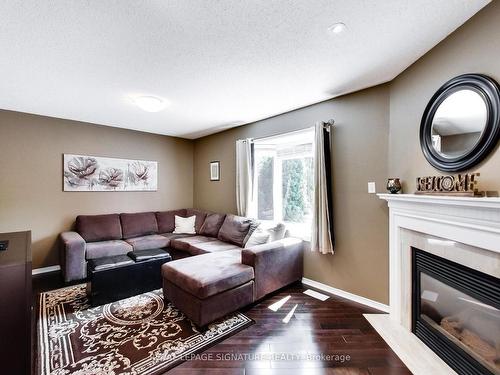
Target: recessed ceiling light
337,28
150,103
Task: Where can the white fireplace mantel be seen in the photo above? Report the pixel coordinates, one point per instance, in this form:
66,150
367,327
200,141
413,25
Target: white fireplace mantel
473,221
471,224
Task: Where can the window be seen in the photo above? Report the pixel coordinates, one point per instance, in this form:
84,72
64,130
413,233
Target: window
283,176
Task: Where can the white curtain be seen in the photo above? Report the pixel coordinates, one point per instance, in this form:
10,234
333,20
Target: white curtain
244,180
322,223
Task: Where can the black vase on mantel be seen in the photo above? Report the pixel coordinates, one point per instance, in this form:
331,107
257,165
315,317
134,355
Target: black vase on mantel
394,185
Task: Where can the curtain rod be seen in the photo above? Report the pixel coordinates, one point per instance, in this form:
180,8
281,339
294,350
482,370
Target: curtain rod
326,124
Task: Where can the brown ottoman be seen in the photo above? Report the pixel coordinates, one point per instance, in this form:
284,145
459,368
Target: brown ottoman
209,286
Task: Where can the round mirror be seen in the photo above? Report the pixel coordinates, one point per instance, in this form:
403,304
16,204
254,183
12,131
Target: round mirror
461,123
458,123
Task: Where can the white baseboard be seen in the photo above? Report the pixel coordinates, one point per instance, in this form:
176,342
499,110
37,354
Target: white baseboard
342,293
38,271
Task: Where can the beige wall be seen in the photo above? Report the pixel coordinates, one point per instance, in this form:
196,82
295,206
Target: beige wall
360,146
473,48
31,196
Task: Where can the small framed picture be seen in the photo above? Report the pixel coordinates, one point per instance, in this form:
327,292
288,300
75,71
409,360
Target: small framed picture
214,171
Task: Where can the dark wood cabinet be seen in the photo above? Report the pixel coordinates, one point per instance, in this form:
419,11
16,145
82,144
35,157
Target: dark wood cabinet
15,303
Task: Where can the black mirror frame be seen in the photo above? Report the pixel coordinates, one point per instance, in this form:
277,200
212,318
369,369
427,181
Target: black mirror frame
489,89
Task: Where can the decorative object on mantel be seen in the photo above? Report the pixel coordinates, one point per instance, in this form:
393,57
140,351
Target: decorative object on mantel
461,124
394,185
214,171
94,173
461,185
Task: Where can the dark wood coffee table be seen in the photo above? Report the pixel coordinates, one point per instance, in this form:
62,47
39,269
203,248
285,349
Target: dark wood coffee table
118,277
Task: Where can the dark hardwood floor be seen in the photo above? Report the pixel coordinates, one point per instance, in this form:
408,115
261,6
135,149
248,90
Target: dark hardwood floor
330,337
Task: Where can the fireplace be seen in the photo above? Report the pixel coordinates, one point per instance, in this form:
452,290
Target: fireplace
460,271
456,312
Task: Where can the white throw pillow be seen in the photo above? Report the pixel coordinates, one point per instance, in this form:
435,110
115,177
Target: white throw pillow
184,225
266,233
277,232
258,237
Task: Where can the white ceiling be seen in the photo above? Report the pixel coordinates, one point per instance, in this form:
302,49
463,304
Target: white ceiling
220,63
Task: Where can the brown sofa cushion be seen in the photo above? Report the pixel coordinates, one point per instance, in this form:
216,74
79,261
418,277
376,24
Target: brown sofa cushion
184,243
166,220
211,247
106,249
209,274
236,229
173,236
212,224
138,224
200,217
99,227
204,311
151,241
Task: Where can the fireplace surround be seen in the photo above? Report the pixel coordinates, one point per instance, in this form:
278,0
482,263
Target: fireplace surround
461,230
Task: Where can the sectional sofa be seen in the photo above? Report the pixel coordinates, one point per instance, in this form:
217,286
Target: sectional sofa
218,269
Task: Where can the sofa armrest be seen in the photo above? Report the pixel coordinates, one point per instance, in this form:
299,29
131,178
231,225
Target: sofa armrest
73,263
276,264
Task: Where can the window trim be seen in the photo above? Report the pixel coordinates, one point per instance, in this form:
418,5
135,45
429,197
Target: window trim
259,145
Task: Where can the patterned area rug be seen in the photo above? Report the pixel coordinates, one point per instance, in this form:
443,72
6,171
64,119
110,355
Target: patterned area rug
135,336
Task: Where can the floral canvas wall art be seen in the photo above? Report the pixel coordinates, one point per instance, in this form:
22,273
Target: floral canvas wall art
94,173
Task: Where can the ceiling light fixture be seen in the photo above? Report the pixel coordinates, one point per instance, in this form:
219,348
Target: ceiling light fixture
150,103
337,28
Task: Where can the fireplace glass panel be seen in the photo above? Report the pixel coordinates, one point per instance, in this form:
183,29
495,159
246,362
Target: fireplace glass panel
470,324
